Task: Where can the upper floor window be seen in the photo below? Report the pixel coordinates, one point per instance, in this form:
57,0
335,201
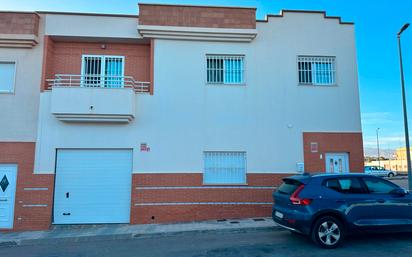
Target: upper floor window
316,70
7,77
102,71
225,69
224,168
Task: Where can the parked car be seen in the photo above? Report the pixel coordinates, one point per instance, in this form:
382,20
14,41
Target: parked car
327,207
379,171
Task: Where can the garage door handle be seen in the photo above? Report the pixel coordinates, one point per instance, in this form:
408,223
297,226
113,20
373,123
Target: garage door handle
66,214
3,200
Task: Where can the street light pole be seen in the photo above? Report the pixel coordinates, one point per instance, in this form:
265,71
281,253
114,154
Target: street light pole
405,115
377,143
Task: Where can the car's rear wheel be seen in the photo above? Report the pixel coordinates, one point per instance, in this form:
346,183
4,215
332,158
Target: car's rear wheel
328,232
391,175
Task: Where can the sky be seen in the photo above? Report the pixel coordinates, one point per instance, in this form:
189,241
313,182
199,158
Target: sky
376,25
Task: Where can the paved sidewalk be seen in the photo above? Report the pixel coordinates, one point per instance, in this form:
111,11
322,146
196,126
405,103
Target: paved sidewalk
77,233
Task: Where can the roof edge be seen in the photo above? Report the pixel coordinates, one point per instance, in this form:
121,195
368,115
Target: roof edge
282,12
89,14
194,5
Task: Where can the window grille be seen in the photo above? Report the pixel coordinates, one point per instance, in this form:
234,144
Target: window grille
103,71
7,76
316,70
225,69
224,168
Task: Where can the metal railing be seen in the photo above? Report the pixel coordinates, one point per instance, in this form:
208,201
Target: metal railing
100,81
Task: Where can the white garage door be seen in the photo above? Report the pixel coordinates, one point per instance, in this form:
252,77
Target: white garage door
92,186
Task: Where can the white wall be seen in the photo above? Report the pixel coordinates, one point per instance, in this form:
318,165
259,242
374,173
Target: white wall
265,118
91,26
19,110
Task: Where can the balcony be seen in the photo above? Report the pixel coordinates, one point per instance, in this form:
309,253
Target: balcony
95,98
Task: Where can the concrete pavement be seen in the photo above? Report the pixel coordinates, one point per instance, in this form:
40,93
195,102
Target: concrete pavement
256,243
73,233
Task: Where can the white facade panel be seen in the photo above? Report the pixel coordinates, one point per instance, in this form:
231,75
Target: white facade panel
91,26
20,107
92,186
264,117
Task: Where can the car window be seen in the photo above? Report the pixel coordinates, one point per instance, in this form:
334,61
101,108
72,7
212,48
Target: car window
289,186
378,186
345,185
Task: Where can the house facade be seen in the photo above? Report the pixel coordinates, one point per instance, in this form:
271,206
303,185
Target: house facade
180,113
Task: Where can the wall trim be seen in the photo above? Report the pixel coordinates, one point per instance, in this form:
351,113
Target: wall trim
197,33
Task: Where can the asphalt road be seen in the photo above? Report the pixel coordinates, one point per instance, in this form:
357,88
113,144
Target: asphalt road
216,244
401,181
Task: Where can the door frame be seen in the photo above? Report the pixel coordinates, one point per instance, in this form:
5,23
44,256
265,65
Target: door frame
15,166
346,154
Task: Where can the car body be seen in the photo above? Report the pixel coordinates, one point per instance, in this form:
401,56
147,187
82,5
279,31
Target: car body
319,205
379,171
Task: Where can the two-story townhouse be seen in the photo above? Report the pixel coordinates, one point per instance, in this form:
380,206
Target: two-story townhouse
181,113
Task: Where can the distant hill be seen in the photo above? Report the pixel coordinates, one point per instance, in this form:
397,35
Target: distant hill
373,152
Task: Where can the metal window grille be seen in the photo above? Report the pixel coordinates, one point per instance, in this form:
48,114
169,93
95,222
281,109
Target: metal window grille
103,71
225,69
224,168
315,70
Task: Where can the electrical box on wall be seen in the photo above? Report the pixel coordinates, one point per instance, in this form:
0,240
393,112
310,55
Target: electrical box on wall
300,167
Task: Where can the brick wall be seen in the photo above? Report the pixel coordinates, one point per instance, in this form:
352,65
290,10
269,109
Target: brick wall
19,23
47,68
160,198
32,207
350,143
66,58
197,16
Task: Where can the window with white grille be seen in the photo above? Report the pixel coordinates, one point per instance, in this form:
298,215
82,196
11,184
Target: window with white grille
224,168
7,77
225,69
102,71
314,70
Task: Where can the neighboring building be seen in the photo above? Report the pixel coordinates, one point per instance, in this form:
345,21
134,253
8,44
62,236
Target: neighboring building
399,162
182,113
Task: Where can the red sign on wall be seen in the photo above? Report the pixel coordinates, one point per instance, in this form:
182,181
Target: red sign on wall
144,147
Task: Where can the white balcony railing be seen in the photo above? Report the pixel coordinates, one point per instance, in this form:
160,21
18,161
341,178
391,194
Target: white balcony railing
75,80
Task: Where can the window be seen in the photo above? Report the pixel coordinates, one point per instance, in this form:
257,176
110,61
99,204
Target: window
225,69
7,75
289,186
316,70
224,168
378,186
103,71
345,185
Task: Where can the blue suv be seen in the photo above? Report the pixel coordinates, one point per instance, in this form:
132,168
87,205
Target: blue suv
327,207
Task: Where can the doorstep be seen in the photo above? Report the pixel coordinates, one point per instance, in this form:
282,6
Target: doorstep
77,233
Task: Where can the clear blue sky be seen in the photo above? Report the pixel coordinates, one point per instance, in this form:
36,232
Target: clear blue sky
377,23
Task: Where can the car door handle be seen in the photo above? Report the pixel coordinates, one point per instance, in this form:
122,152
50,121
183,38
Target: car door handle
341,201
380,200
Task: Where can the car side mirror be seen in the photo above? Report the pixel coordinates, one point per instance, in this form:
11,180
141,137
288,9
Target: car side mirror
399,192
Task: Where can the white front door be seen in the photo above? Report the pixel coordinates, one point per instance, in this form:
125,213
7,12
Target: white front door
93,186
337,162
8,175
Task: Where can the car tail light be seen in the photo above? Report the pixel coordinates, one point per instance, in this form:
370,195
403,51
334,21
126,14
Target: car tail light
296,200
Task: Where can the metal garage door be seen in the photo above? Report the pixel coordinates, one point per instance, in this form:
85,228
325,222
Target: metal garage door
92,186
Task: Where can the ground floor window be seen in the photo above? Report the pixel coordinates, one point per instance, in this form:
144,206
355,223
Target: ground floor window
224,168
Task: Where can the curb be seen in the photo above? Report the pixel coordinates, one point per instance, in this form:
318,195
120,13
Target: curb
93,238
